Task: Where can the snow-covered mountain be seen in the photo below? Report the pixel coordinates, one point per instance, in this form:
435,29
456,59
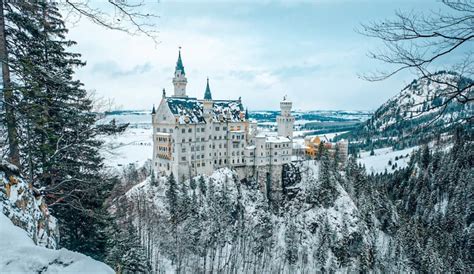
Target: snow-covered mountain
225,224
420,105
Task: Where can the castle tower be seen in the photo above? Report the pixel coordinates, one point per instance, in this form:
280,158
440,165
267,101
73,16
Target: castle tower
179,80
285,121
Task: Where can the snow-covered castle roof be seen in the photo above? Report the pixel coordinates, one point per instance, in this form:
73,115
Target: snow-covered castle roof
191,111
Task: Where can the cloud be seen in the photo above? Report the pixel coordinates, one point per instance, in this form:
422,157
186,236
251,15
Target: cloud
113,69
257,52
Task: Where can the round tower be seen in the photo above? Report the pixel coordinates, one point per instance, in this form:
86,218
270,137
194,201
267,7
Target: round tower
285,120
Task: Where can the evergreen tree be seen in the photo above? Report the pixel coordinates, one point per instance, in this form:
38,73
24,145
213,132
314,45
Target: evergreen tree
153,180
202,186
61,149
134,258
172,198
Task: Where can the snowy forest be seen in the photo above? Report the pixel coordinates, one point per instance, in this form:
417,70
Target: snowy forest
332,215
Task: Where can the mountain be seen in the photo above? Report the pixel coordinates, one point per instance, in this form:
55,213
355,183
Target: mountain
218,224
417,113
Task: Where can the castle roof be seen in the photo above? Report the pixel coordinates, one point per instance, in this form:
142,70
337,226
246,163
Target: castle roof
207,94
190,110
179,64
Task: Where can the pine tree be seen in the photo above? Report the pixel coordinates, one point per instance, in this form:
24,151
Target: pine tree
153,180
134,259
172,198
202,186
61,151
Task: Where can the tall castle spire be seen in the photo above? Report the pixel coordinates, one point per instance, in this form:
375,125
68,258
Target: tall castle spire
207,94
179,80
179,64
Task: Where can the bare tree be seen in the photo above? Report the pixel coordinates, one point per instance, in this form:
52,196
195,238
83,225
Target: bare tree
133,17
424,43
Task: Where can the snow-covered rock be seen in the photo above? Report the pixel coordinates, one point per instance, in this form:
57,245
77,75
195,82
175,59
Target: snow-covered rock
25,207
19,254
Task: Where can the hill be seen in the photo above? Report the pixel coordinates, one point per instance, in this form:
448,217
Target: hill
417,114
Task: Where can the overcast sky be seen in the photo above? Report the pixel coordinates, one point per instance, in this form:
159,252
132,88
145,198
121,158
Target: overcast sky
305,49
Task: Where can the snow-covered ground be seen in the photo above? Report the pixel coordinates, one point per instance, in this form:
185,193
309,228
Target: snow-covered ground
379,162
21,255
134,146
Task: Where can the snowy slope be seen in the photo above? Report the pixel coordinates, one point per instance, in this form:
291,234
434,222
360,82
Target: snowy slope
419,102
20,255
134,146
26,208
385,159
335,236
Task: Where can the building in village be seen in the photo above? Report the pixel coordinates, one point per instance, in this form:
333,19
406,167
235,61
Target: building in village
312,146
194,136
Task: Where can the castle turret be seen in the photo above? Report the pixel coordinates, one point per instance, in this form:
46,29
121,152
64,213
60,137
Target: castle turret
285,120
179,80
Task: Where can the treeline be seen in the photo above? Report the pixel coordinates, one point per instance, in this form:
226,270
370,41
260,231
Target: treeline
51,132
435,202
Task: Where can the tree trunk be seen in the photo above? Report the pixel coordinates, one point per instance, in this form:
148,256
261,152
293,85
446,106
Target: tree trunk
8,101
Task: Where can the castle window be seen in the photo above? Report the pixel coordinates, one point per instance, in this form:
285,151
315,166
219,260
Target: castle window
224,128
157,129
183,130
190,130
203,164
217,128
183,158
183,149
183,141
190,140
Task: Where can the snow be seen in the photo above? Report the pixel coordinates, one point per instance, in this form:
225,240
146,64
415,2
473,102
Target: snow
378,162
21,255
134,146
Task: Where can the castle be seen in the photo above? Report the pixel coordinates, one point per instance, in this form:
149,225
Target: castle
196,136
